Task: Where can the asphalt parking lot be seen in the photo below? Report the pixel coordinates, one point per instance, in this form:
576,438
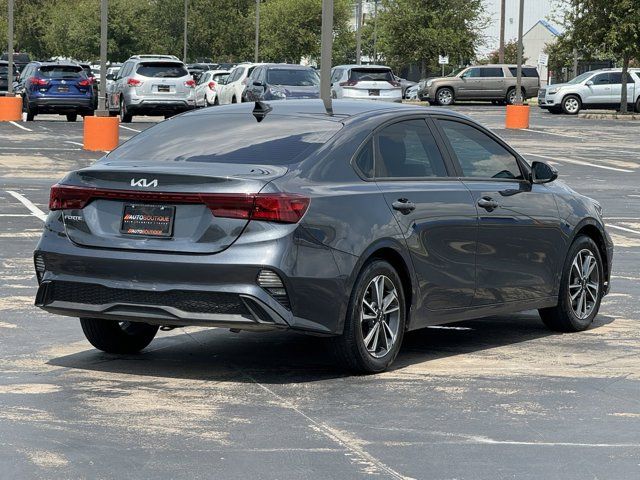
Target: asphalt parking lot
489,399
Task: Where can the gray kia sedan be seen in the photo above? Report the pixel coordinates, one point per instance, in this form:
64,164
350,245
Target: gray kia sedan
360,225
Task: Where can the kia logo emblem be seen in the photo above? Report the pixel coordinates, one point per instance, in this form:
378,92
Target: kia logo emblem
143,182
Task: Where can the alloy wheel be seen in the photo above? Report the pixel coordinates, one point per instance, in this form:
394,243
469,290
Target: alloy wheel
584,284
445,97
380,316
571,105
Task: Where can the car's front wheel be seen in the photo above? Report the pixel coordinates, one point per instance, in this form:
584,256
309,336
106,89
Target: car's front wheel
571,105
580,290
72,117
375,322
444,96
125,116
118,337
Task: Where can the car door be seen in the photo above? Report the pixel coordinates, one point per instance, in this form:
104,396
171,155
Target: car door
469,85
225,92
201,86
598,90
254,92
434,211
520,237
616,88
492,84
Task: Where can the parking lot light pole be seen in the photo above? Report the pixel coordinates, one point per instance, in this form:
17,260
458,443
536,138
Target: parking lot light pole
519,99
10,50
518,113
326,38
255,53
184,46
10,105
102,104
358,32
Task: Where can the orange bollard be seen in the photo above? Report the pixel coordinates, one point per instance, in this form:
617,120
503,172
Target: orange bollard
517,116
10,109
101,133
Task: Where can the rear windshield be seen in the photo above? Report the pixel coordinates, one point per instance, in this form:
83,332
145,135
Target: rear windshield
61,71
526,72
4,69
162,69
293,77
371,74
230,138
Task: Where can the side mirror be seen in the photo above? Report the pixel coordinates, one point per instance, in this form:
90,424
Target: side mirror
542,172
110,76
589,83
256,83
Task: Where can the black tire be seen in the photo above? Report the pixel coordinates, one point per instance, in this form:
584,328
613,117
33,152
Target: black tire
441,94
509,99
568,103
118,337
638,105
125,116
233,99
562,317
72,117
216,101
349,348
31,114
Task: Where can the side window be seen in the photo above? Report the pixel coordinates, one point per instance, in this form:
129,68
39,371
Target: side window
408,150
528,72
479,155
126,69
337,73
364,160
471,73
615,78
601,79
234,75
492,72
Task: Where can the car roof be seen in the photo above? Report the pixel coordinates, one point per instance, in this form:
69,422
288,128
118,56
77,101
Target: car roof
288,66
343,110
363,66
56,64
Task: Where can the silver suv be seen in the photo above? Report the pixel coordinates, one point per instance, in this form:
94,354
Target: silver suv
151,85
596,89
484,82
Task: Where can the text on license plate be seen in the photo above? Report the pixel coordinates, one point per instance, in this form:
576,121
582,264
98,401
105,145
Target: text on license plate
148,220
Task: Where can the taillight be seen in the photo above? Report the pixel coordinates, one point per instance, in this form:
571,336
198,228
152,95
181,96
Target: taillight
349,83
269,207
134,82
212,85
190,83
41,82
85,83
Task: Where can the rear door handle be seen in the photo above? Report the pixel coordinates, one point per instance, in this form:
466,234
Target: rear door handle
403,205
488,204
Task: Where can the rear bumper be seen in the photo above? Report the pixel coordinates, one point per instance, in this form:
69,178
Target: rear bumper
358,95
194,289
62,104
161,106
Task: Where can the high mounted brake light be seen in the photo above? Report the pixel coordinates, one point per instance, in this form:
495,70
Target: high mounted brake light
268,207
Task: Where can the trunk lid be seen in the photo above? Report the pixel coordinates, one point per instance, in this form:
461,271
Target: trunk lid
194,228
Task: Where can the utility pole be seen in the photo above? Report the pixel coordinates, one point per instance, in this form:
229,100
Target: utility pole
102,92
184,47
519,100
10,50
326,38
502,19
358,31
375,31
255,54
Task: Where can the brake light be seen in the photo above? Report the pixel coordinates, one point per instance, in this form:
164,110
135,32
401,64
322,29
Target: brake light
134,82
190,83
349,83
86,82
41,82
269,207
212,85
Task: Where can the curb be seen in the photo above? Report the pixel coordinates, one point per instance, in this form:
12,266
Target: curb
609,116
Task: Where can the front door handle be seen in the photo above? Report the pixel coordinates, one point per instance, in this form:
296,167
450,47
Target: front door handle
404,206
488,204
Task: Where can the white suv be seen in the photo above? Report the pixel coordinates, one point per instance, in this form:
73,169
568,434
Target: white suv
369,82
233,89
596,89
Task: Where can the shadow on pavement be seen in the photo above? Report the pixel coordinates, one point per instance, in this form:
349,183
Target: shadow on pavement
286,357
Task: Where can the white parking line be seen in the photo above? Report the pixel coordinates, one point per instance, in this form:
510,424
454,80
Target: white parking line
441,327
129,128
57,149
554,134
35,211
74,143
624,229
15,215
577,162
20,126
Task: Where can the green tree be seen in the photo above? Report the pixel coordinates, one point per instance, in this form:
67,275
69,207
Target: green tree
510,54
611,26
290,30
417,31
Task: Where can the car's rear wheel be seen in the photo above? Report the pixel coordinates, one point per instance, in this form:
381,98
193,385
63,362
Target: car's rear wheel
118,337
72,117
638,105
580,290
233,99
31,114
125,116
510,99
444,96
571,105
375,322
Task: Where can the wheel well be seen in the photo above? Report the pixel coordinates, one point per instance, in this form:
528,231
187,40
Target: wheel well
594,234
397,262
447,87
571,95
